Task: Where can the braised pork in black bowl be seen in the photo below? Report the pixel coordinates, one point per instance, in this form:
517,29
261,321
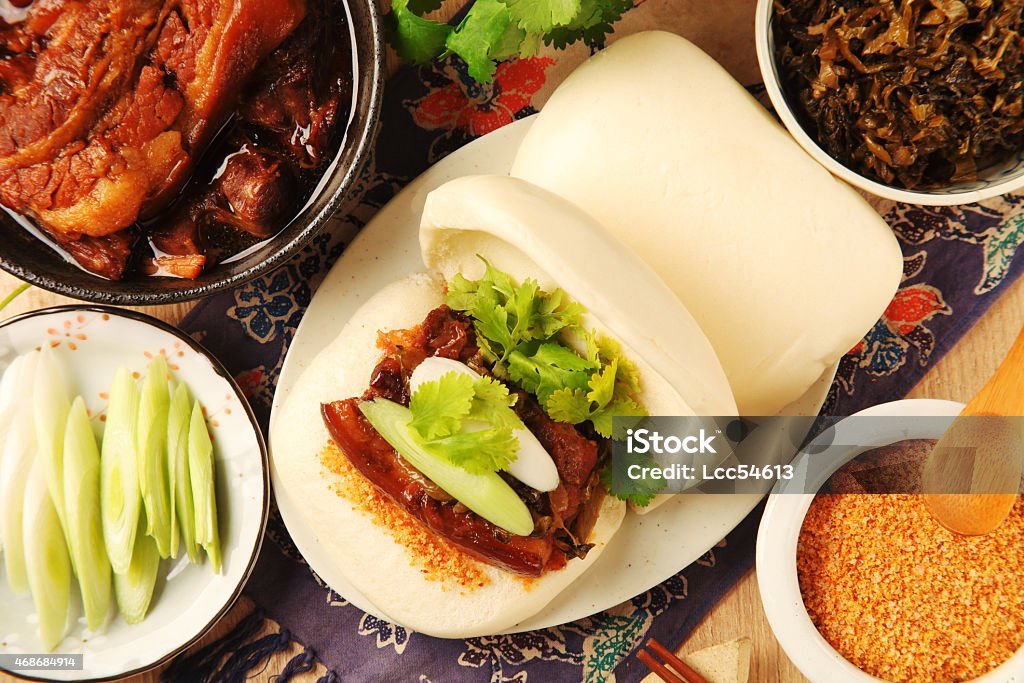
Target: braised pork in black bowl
156,151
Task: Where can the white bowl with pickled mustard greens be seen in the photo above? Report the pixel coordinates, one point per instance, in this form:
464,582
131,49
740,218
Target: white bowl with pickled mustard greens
884,34
134,564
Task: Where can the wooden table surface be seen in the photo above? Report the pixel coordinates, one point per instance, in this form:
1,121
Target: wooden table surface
957,377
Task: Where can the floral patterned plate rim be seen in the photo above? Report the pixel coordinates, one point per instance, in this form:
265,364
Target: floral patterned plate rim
92,342
647,549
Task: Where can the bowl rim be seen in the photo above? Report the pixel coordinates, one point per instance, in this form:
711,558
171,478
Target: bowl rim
777,546
370,77
223,372
769,75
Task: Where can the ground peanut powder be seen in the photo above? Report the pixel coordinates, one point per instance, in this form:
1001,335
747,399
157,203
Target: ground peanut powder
904,599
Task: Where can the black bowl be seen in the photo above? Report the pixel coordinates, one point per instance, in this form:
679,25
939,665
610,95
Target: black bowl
28,258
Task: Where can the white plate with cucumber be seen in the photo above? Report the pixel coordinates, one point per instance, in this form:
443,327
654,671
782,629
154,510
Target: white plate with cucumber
140,478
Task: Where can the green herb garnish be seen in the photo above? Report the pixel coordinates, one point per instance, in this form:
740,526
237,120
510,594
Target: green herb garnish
444,412
646,489
529,335
493,30
414,38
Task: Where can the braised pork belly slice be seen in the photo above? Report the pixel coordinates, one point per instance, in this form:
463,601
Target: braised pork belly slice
108,104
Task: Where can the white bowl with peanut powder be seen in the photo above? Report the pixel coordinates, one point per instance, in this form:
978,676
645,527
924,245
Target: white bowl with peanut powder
872,614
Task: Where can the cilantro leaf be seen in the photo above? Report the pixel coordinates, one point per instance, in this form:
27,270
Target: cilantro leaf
463,293
522,302
646,489
639,499
514,42
493,404
556,313
574,406
562,357
602,384
541,16
530,45
620,407
600,405
602,349
488,450
492,355
493,323
507,314
473,39
499,281
568,405
628,375
549,368
439,406
415,39
447,414
591,24
499,29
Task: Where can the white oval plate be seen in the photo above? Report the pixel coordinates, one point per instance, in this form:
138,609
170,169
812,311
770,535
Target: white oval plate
783,518
92,342
647,549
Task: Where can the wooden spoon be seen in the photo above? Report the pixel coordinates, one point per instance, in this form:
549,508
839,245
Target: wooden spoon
971,478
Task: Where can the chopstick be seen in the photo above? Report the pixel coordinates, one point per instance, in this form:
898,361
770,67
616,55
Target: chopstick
685,673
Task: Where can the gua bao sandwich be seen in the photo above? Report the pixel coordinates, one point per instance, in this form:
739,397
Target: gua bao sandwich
784,267
456,431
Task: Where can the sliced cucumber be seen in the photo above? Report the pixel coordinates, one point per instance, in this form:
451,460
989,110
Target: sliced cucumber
177,448
202,476
50,404
8,405
46,559
9,398
153,461
19,454
82,512
485,494
134,588
119,475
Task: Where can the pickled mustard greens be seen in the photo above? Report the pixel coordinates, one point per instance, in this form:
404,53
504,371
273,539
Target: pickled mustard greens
82,512
914,94
120,500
